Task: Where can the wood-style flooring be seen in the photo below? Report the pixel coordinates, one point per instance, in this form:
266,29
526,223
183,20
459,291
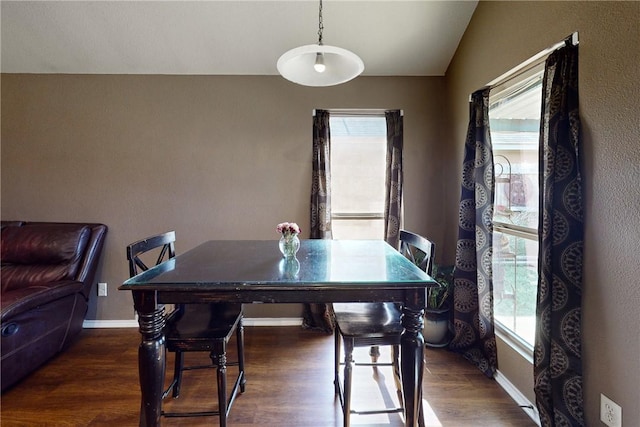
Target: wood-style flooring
289,384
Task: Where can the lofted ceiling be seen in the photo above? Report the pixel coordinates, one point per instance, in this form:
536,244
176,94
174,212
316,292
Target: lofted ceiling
241,37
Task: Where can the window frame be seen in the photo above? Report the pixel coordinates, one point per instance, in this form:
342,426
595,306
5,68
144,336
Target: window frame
362,215
534,71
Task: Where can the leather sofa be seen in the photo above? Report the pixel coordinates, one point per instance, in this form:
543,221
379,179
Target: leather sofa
47,272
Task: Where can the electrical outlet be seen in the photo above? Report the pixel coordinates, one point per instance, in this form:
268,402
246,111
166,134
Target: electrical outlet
610,412
102,289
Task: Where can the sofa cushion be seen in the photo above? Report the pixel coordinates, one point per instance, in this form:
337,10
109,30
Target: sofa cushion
41,254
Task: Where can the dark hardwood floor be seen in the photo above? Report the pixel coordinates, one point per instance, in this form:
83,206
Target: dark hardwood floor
289,384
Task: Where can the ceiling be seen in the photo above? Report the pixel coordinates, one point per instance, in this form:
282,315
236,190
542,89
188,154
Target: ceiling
393,38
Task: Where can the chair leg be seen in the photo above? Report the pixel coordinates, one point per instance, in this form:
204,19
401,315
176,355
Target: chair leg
348,375
240,343
336,361
177,373
395,357
220,359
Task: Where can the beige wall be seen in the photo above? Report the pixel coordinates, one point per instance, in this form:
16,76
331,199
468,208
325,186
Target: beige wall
229,157
211,157
500,36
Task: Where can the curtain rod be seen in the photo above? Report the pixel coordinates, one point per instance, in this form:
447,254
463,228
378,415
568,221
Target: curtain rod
356,112
529,63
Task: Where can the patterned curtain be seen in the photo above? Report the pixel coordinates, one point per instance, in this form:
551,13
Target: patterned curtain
473,285
557,356
393,191
319,316
321,178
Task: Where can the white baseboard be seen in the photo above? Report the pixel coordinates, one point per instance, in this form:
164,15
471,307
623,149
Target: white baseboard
247,321
272,321
98,324
528,407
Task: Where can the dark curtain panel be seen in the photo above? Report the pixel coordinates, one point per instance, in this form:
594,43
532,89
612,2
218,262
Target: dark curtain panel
557,356
393,191
473,285
321,178
319,316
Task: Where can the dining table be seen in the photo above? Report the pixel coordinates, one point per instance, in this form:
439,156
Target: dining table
255,271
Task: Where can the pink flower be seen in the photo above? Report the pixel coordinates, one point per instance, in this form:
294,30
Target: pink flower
288,228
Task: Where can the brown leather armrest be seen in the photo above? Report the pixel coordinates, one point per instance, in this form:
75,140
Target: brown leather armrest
20,300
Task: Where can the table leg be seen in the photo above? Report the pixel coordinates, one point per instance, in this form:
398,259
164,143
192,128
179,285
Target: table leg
151,357
412,364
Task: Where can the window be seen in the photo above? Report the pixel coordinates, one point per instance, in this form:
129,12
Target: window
514,116
358,159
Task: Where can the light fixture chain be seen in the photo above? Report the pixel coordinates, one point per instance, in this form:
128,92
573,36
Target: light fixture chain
320,24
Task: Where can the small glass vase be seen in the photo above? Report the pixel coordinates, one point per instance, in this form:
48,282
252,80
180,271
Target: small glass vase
289,245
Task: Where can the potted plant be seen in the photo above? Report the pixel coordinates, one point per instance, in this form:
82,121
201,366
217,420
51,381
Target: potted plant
436,322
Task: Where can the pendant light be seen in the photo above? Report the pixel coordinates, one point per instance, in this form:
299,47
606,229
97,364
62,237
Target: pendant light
319,64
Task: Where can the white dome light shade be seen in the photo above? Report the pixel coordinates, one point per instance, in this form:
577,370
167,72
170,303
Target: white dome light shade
341,65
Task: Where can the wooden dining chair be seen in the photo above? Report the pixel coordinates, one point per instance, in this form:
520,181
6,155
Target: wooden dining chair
373,325
193,328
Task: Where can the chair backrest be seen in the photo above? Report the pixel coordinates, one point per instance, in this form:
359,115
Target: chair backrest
163,244
418,250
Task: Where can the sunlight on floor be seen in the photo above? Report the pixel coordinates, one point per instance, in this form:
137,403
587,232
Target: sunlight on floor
379,420
374,388
430,418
